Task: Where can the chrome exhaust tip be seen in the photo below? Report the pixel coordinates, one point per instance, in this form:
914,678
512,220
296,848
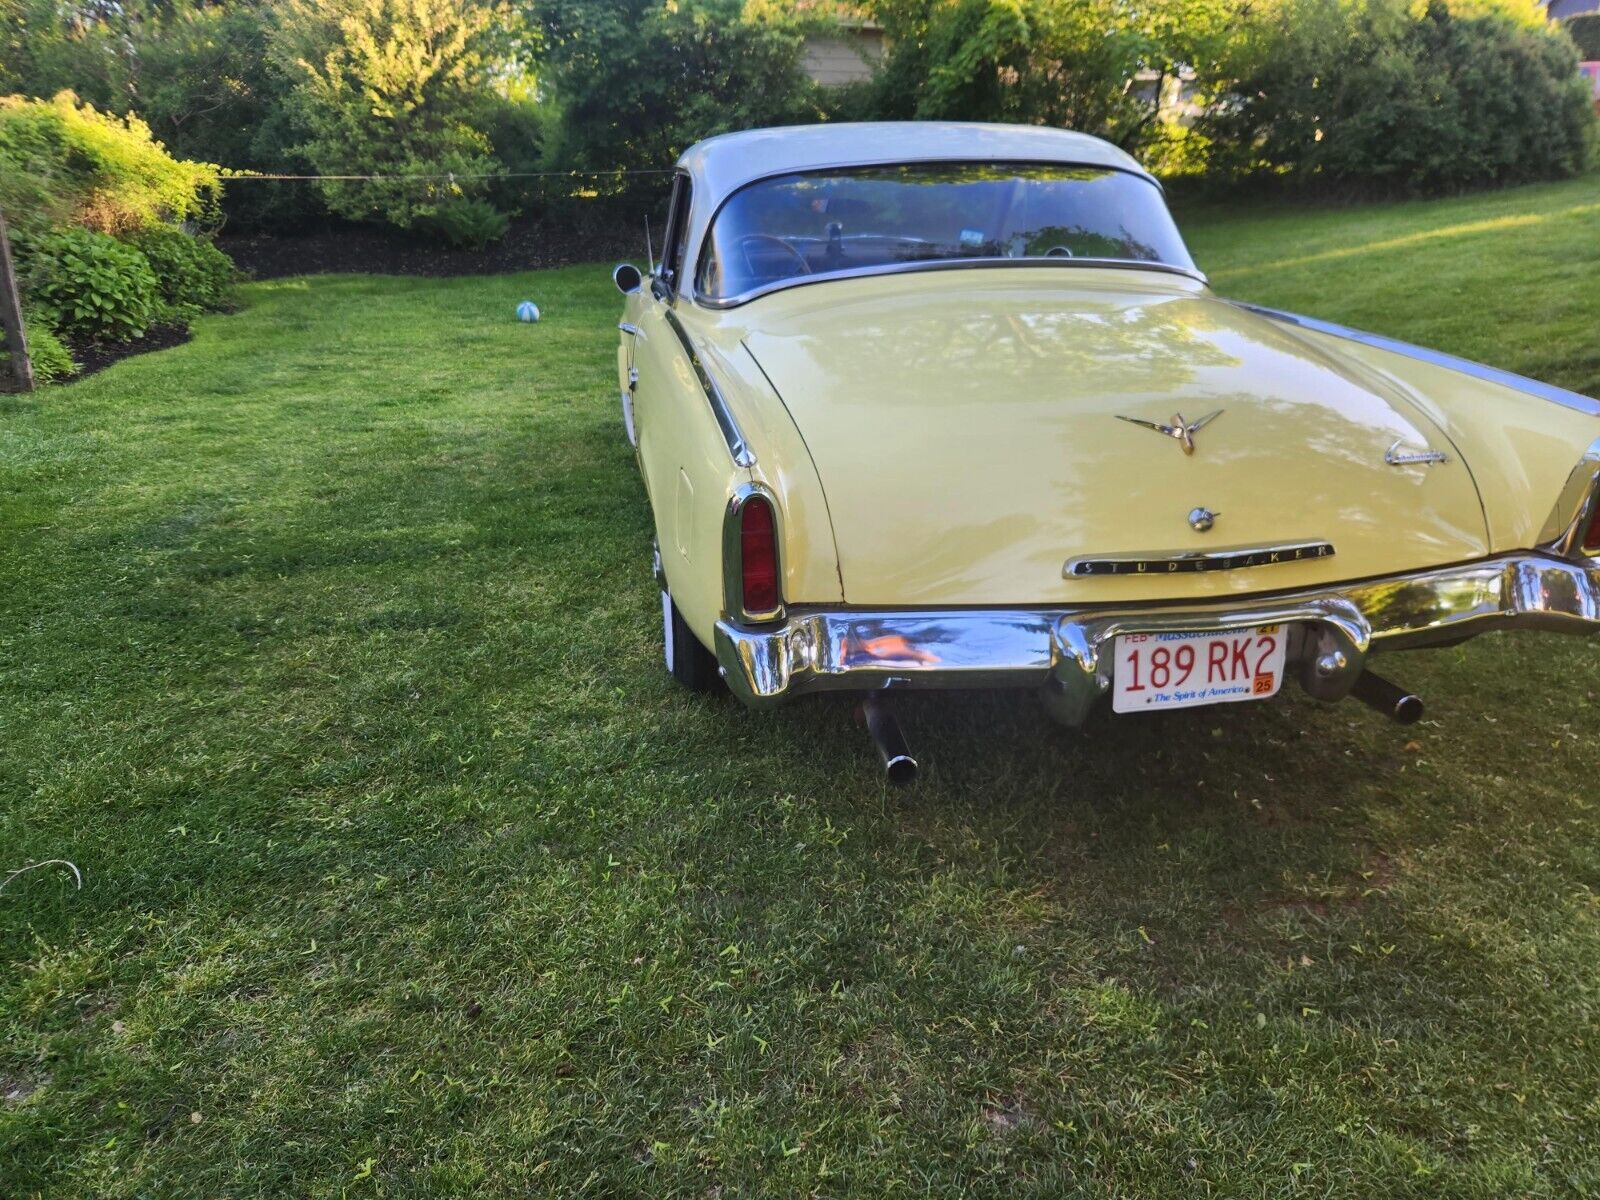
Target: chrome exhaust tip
899,767
1392,701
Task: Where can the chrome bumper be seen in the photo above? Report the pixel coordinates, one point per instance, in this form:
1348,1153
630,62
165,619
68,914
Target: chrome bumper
1333,630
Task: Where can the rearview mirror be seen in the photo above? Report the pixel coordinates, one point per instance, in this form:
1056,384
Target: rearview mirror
627,278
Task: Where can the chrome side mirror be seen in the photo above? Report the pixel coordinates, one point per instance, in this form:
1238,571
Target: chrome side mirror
627,278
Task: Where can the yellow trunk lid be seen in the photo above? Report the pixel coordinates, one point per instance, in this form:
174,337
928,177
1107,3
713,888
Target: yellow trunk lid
965,427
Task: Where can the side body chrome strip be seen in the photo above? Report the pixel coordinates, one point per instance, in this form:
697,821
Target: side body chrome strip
1545,391
743,456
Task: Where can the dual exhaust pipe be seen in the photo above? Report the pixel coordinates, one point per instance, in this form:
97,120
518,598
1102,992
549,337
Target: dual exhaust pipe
900,766
1393,701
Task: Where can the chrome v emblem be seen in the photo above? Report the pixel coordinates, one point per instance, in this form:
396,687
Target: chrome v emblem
1396,457
1180,430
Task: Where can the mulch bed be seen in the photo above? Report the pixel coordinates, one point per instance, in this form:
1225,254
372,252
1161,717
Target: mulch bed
97,356
529,245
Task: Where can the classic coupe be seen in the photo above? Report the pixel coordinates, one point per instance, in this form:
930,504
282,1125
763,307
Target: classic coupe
934,405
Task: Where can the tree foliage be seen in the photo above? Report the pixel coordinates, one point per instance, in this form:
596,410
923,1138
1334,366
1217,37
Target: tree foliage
635,82
1099,66
62,162
1372,94
1584,30
393,88
1406,95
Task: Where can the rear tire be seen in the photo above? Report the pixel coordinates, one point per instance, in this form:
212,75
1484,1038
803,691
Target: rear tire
689,662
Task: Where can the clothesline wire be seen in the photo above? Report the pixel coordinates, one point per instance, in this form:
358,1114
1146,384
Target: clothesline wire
451,176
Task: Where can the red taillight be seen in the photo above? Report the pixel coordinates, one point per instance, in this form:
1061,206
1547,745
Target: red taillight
758,556
1591,536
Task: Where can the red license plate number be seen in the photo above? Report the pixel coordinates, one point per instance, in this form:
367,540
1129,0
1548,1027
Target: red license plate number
1184,670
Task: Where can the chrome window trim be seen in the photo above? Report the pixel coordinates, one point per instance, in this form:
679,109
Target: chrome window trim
733,553
743,456
1060,646
1564,528
1521,383
663,286
941,264
704,230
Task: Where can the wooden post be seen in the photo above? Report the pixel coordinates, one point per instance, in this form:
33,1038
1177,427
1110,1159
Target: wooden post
15,336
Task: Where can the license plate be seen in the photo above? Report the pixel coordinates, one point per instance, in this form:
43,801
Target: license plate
1182,670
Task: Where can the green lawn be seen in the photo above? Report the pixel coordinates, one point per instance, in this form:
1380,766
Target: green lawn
328,650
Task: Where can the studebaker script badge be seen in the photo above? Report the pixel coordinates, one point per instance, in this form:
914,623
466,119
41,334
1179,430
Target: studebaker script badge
1194,564
1180,430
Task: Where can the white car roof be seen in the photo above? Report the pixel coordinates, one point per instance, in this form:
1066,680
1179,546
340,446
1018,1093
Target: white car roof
720,166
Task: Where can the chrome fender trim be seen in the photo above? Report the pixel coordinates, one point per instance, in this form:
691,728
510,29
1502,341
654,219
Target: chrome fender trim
1521,383
738,449
1338,626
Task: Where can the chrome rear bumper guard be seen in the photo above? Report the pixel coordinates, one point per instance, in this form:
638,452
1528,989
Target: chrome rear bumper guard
1333,631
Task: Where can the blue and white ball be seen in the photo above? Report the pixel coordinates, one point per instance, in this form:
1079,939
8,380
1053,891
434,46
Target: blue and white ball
527,311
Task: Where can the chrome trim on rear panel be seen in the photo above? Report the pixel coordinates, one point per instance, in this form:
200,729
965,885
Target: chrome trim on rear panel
1569,520
743,456
1194,562
1061,648
1521,383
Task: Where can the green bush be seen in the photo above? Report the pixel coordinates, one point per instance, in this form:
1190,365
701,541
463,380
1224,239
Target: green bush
466,223
189,271
95,285
50,359
1584,29
62,162
1372,96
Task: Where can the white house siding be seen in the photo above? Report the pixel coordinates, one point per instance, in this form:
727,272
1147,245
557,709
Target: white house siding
847,57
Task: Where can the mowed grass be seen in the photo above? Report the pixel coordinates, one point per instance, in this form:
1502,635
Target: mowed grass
329,652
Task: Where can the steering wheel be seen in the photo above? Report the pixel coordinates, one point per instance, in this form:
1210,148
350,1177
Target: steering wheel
774,239
1058,252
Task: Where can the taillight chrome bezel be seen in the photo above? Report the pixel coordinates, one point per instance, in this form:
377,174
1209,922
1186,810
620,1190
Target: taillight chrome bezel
1573,528
733,554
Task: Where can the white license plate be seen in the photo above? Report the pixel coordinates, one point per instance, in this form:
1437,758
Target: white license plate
1182,670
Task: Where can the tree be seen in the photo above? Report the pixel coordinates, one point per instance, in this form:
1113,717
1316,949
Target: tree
1375,95
395,88
1099,66
1584,30
635,82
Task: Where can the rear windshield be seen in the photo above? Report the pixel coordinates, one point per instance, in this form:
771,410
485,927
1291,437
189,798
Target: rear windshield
819,222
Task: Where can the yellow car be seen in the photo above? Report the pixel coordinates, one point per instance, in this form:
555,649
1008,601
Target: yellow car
945,406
